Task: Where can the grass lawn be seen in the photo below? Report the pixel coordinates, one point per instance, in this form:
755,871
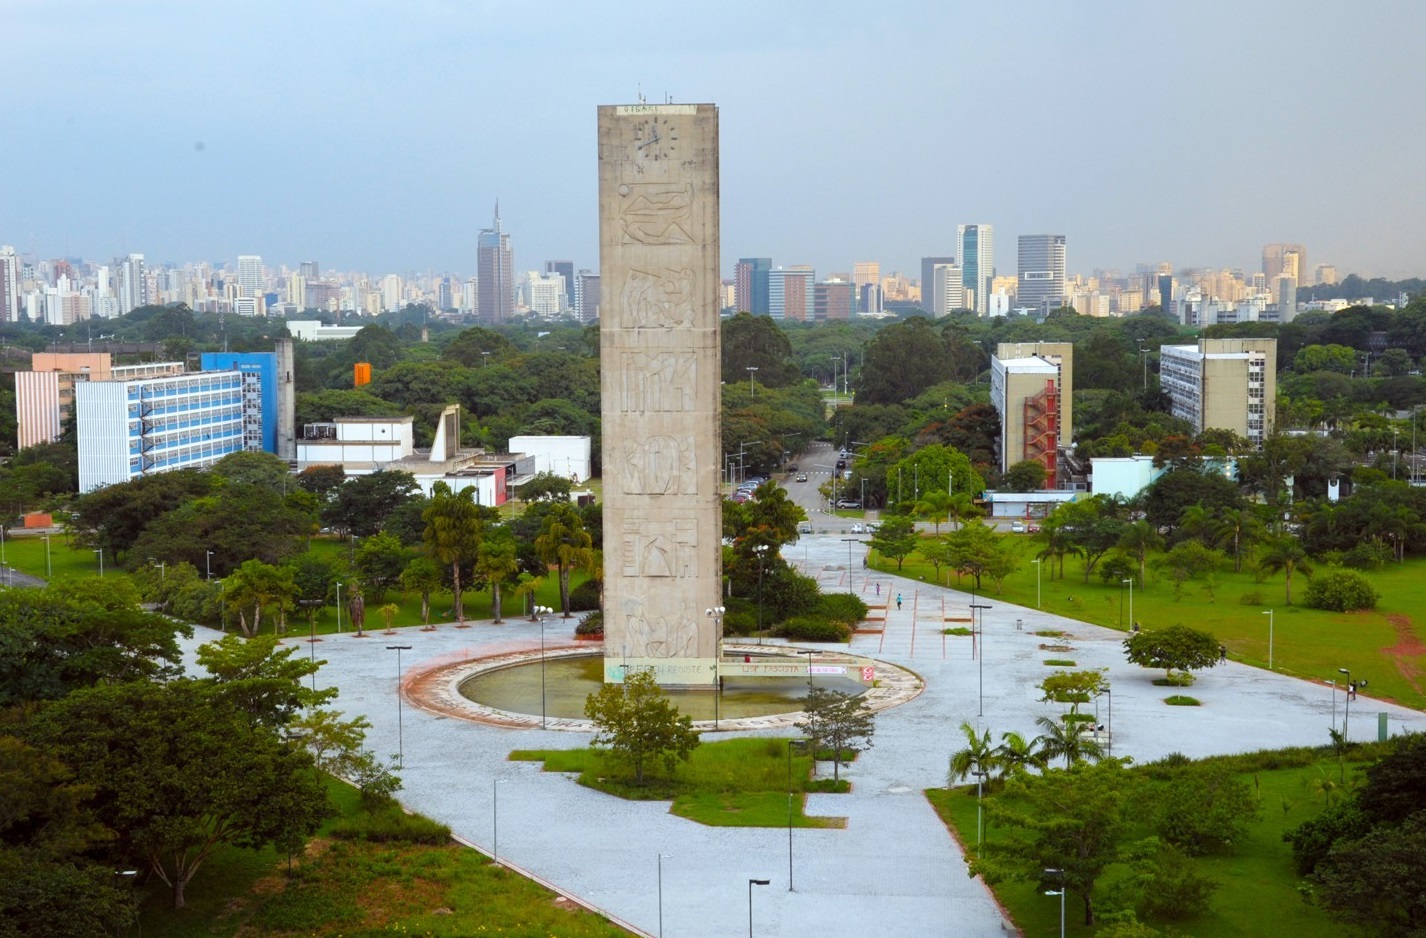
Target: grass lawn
1386,645
732,783
356,888
1257,894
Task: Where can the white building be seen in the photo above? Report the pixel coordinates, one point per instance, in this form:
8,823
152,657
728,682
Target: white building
311,330
948,289
250,278
544,293
564,456
1125,476
9,284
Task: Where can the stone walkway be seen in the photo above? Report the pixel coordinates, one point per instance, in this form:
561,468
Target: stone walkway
893,869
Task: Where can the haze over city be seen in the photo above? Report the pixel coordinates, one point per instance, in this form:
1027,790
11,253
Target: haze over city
379,136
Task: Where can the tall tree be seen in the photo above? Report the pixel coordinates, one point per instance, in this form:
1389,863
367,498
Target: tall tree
1285,553
639,725
453,534
564,542
497,565
843,723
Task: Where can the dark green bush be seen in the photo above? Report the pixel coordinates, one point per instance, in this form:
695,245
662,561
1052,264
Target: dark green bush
842,607
1340,590
1118,568
1371,554
585,596
812,629
1312,840
740,622
592,624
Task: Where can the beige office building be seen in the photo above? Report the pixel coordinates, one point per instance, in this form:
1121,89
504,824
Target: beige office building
44,395
1025,392
1227,384
1061,355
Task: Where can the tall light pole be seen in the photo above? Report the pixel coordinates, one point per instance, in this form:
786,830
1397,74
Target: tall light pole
1144,354
1038,597
752,376
541,612
760,550
400,728
339,607
1059,875
662,857
851,583
495,818
1110,694
49,567
980,775
1347,716
716,614
980,653
835,359
1131,603
1269,614
100,554
751,884
208,563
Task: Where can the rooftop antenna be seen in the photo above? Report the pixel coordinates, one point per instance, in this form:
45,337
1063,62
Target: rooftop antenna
642,99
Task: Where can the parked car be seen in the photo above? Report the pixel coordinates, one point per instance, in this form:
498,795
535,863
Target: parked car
804,527
792,467
1017,527
1032,528
848,503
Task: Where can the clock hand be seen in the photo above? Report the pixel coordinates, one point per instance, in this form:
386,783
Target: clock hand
652,140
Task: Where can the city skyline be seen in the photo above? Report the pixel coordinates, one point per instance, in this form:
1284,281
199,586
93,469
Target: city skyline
377,139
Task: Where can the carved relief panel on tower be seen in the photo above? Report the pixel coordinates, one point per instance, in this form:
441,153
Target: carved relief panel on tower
657,299
656,212
660,465
658,382
649,548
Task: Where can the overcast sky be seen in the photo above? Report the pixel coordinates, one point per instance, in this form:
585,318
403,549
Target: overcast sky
376,136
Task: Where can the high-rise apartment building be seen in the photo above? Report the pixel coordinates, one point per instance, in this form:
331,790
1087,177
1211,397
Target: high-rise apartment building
495,266
586,295
750,285
133,283
1041,273
866,277
566,270
1228,384
1285,258
928,280
9,284
792,293
976,244
1026,394
544,293
947,289
310,270
391,290
832,300
250,278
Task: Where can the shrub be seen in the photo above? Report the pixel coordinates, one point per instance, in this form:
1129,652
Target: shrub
1181,679
740,622
390,824
1251,598
1180,700
1371,554
1204,809
957,630
592,624
1341,590
811,629
1117,569
1059,662
842,607
584,596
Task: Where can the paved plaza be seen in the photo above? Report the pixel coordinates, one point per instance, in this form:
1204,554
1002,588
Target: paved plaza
894,862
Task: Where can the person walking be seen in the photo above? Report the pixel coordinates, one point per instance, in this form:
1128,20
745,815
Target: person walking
898,600
878,589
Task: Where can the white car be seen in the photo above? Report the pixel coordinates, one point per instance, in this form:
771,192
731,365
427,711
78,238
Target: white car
856,527
1017,527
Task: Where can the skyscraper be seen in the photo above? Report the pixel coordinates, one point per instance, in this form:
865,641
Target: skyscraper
947,290
976,244
133,283
928,280
792,293
1041,271
566,270
1276,262
495,273
750,286
250,279
867,274
9,284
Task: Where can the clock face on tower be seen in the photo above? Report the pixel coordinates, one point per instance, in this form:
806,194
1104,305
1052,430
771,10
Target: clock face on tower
655,138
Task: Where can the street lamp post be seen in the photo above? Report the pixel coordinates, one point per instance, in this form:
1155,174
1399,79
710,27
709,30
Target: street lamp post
751,884
541,612
1110,694
100,554
1036,562
1347,714
716,614
752,385
980,775
49,568
339,607
1269,614
809,652
662,857
495,818
208,563
980,652
760,550
1131,602
400,729
1059,875
851,583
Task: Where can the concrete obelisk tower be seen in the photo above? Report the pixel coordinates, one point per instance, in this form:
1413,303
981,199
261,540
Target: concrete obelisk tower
659,355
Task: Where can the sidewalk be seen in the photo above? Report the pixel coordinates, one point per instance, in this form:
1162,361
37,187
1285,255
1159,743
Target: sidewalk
894,869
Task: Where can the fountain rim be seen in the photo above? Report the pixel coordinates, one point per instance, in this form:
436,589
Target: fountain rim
435,688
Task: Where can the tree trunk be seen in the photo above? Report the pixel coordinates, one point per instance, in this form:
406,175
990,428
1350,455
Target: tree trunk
495,601
1088,909
425,607
455,581
564,589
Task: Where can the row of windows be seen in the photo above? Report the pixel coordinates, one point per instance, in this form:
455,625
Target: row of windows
189,456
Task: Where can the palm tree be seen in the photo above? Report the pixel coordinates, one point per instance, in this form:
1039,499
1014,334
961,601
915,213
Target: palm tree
565,543
497,565
962,506
935,506
1064,739
1195,521
1240,526
1285,553
1015,755
1058,543
978,756
1138,539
